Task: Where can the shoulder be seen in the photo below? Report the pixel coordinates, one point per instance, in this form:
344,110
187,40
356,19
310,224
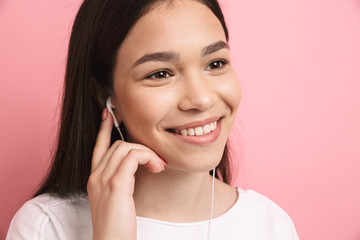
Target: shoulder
253,199
49,217
265,214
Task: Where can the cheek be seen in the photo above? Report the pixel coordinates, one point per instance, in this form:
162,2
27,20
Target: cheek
236,93
143,110
231,91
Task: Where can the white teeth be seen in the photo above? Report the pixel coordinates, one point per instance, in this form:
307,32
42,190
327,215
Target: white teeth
191,132
198,131
206,129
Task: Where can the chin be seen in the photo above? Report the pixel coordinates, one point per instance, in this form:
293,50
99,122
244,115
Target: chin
196,164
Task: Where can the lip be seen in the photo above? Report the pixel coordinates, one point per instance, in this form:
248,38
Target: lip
196,124
200,140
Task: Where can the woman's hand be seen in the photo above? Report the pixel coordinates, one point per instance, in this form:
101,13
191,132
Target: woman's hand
111,183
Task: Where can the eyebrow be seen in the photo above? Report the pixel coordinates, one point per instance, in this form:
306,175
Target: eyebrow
157,57
172,56
214,47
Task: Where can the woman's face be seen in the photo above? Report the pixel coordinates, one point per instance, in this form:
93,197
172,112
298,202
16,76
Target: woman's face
174,83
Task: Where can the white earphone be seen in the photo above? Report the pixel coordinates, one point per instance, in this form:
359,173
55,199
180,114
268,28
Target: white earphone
109,107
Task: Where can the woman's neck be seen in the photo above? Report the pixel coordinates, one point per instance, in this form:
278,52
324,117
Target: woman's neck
172,195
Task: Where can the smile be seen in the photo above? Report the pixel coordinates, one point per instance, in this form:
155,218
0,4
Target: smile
196,131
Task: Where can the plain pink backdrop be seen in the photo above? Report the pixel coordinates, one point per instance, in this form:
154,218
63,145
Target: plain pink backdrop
298,128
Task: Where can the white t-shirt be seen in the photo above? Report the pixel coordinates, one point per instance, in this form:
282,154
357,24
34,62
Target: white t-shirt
252,217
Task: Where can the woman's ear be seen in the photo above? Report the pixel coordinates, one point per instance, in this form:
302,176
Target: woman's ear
98,93
103,99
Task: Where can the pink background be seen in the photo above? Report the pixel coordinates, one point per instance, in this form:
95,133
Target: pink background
298,131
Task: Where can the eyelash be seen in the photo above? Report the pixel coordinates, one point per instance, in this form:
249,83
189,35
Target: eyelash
166,74
221,61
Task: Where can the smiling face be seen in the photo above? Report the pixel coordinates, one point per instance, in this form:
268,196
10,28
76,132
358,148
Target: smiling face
174,87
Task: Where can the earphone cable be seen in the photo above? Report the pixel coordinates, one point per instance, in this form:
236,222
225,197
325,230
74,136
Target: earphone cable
212,203
118,128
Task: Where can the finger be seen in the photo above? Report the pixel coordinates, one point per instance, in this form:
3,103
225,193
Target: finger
122,178
103,139
116,153
139,156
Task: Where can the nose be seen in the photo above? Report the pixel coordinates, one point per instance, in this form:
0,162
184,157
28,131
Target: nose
198,94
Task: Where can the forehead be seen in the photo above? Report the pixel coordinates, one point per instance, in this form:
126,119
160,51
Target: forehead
178,26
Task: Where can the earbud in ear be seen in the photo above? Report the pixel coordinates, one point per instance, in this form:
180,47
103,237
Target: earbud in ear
109,107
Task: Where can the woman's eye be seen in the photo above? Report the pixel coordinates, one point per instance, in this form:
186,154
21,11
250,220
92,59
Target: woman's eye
217,64
159,75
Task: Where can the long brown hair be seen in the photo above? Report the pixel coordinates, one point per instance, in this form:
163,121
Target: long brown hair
98,31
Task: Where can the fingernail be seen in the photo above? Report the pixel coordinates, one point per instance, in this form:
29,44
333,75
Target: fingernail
104,114
162,163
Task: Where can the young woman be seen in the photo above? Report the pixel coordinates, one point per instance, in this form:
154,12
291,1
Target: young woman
165,68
